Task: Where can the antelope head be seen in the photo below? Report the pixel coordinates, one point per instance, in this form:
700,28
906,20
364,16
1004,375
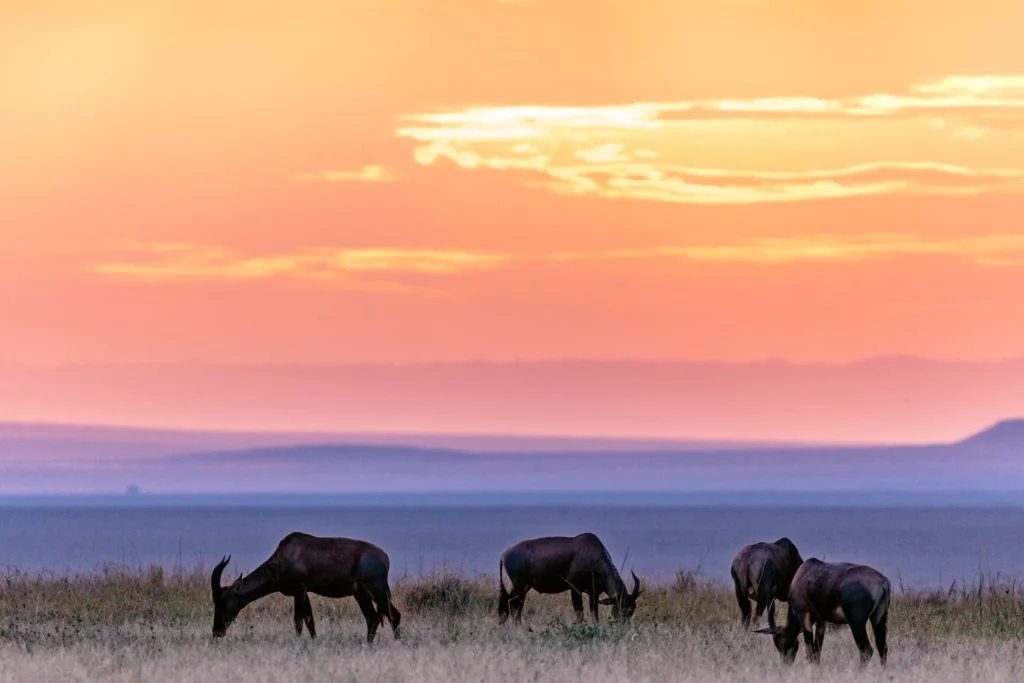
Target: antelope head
784,637
225,606
624,605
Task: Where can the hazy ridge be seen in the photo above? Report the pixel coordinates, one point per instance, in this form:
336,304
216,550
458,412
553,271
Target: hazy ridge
76,460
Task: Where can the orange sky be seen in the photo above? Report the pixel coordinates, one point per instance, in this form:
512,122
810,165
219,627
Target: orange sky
440,180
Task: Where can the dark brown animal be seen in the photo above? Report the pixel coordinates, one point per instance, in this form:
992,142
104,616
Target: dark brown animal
762,572
555,564
839,593
303,564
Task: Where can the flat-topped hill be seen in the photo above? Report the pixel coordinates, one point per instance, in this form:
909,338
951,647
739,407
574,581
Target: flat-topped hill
1002,435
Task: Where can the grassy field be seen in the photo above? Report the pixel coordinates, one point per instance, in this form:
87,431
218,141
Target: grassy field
149,626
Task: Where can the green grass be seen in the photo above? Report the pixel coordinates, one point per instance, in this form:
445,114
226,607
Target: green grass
155,626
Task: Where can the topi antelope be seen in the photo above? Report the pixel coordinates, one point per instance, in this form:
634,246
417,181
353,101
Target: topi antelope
838,593
303,564
762,572
580,564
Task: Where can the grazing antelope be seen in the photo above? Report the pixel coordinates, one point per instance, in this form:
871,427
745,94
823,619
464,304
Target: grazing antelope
839,593
578,564
762,572
303,564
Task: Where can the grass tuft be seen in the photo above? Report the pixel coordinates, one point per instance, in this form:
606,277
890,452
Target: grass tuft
154,625
449,593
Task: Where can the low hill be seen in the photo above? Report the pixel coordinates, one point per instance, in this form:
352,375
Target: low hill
985,461
56,444
978,462
1004,436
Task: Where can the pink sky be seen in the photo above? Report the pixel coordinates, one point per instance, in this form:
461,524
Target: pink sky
400,181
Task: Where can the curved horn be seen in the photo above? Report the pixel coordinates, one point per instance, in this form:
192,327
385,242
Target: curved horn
215,577
636,585
771,616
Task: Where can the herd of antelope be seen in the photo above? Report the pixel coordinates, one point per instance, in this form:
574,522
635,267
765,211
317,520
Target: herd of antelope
818,593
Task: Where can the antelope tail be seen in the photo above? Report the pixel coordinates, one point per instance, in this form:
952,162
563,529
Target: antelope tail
882,602
503,596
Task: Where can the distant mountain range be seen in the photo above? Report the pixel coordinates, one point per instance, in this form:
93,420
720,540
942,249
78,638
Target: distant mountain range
46,444
46,459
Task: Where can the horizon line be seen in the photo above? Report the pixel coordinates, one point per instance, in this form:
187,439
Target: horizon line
547,360
751,443
487,495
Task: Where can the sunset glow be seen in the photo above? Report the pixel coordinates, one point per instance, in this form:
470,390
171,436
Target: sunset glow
408,181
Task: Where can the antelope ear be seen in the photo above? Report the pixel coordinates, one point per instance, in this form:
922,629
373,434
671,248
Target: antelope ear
606,601
768,631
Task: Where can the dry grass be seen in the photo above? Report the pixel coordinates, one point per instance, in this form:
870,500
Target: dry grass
152,626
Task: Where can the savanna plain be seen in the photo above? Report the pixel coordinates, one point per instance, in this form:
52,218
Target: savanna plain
153,625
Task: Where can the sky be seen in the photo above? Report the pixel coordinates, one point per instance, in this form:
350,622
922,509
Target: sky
411,181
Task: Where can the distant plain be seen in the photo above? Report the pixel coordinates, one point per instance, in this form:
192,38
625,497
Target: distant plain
920,546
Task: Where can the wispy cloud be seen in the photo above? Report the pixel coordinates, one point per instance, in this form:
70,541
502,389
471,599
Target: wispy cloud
349,268
977,97
606,150
665,182
1005,249
370,173
638,179
383,269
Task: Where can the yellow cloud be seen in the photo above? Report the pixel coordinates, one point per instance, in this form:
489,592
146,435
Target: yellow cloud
610,153
996,86
617,177
978,96
417,261
670,183
353,268
605,150
1006,249
370,173
188,262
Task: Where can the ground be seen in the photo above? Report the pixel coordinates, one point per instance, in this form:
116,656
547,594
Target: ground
145,626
